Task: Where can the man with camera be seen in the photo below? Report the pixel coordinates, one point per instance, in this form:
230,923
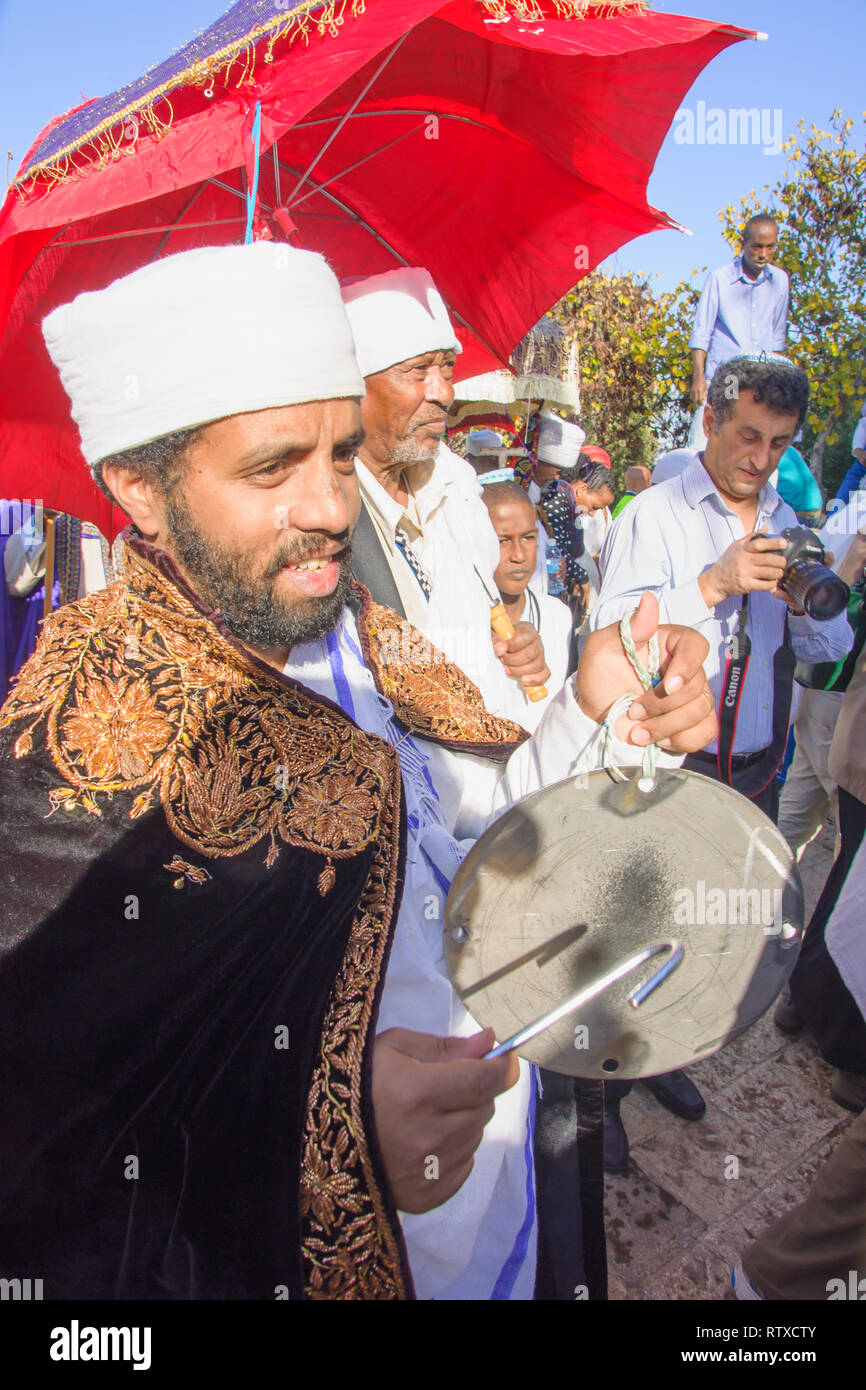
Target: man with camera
709,543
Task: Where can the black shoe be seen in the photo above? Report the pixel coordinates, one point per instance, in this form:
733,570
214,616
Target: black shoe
847,1088
787,1016
615,1141
677,1093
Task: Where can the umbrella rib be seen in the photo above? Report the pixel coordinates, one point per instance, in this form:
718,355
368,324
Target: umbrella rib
276,159
356,216
183,212
151,231
238,192
344,118
363,160
148,231
227,188
396,111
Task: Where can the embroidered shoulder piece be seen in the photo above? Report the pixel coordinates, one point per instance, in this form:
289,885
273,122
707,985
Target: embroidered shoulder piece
431,696
133,690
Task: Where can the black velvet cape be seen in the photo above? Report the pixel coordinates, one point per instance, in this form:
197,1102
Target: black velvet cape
200,872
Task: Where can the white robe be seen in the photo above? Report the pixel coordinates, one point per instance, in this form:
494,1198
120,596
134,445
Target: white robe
458,548
554,626
480,1244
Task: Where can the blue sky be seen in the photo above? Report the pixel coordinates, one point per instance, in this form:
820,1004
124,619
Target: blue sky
811,63
56,53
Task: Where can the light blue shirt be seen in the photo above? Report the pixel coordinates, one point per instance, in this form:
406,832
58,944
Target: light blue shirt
662,542
737,314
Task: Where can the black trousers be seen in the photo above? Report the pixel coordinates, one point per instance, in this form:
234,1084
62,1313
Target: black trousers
569,1184
767,800
817,988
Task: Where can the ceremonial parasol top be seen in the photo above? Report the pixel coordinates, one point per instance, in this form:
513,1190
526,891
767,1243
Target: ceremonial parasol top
506,145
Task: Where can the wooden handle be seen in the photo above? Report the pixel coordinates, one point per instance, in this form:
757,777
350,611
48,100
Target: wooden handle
49,564
501,624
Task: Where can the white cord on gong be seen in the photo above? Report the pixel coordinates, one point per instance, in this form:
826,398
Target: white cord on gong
648,677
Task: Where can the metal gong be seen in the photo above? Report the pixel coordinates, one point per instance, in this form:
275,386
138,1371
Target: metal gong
584,874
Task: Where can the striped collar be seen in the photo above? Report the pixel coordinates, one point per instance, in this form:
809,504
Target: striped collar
697,486
738,273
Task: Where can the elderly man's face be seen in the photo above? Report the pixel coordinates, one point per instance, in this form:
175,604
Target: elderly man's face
405,408
261,518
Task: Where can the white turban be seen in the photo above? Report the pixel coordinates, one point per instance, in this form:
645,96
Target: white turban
483,439
199,336
395,316
559,441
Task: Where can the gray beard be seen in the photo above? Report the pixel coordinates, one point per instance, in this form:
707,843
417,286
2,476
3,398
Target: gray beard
246,603
411,451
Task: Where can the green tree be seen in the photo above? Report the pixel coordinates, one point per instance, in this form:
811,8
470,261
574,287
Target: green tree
634,365
821,211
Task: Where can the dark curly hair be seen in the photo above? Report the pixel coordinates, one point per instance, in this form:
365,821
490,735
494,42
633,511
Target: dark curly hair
161,461
774,381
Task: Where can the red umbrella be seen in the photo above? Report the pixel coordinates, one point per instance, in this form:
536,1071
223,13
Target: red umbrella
504,144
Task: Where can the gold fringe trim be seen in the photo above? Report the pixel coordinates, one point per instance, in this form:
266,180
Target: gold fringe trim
117,136
531,11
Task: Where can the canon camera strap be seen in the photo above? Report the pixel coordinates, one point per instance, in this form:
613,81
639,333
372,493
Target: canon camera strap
752,780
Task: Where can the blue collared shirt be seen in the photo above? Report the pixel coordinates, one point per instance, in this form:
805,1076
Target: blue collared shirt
737,315
663,541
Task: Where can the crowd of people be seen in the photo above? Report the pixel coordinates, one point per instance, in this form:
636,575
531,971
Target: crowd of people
241,777
707,531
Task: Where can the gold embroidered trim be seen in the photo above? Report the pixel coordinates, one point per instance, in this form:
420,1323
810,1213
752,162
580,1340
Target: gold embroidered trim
117,135
132,690
431,696
565,9
348,1242
194,872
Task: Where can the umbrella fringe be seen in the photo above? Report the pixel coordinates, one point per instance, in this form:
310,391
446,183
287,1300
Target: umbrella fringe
117,136
565,9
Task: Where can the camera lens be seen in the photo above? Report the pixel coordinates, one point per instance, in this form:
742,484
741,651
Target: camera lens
825,599
815,589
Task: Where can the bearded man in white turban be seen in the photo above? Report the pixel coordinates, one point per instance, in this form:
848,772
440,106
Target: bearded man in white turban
228,1042
424,527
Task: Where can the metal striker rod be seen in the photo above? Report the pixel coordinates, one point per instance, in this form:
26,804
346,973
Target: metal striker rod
636,998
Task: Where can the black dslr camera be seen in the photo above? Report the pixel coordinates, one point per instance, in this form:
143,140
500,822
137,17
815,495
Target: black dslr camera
812,586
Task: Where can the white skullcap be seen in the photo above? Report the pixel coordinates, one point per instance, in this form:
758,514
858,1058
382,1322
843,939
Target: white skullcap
199,336
499,475
672,465
559,441
395,316
483,439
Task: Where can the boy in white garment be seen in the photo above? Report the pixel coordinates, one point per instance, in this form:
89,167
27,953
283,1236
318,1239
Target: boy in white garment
513,518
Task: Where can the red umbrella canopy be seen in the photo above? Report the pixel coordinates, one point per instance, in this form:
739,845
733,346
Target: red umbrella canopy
506,145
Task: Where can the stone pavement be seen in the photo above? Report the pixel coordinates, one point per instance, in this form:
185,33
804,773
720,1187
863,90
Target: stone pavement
675,1223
